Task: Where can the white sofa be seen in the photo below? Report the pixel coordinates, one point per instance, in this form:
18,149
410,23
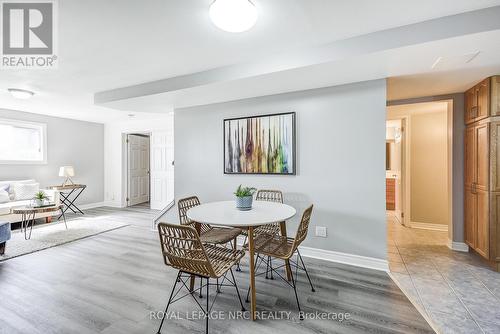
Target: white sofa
6,208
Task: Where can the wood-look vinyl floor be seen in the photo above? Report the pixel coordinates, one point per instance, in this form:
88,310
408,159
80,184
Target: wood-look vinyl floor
115,281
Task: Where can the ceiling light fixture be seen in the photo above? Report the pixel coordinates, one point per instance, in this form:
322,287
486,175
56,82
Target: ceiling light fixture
233,15
20,93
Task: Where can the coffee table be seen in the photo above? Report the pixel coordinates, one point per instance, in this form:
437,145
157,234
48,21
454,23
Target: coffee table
29,215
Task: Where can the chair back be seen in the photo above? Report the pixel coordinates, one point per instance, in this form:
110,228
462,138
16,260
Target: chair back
269,195
302,229
182,249
183,206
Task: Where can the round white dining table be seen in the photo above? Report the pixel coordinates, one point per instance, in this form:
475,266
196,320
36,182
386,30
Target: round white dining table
225,213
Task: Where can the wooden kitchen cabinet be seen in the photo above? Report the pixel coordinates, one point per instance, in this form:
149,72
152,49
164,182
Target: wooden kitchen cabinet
390,194
477,101
482,170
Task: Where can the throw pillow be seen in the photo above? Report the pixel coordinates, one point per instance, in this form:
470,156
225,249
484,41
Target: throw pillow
23,191
4,196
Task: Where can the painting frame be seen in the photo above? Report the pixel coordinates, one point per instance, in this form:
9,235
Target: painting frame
293,143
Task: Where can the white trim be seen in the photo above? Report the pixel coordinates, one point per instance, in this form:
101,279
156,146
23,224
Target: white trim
345,258
428,226
457,246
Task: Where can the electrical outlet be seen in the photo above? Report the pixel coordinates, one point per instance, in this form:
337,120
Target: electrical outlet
321,231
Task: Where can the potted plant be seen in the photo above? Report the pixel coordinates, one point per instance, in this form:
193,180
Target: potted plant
40,198
244,197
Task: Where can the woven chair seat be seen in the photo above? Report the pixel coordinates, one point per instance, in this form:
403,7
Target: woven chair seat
275,246
272,229
222,259
219,235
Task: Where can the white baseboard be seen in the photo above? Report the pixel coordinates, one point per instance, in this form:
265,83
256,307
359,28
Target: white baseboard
458,246
345,258
338,257
427,226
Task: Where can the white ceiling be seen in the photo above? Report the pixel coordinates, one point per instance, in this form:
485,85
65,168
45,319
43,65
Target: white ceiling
108,44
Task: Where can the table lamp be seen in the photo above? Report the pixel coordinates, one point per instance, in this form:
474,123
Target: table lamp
67,172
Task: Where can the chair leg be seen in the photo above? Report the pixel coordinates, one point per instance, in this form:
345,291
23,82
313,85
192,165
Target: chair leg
237,290
267,267
201,287
271,266
169,300
238,268
208,300
305,269
218,287
294,284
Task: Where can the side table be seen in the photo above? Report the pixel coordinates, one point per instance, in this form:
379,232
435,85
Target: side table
69,194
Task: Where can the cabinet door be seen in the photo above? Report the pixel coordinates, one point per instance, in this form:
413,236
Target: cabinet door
483,100
495,96
469,218
470,134
482,223
470,105
482,154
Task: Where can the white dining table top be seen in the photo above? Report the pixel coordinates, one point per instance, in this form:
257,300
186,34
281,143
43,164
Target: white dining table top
225,213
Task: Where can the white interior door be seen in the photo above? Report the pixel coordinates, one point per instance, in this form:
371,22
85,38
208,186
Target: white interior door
138,169
161,169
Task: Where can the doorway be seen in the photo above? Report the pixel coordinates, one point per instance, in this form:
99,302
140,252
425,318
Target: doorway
138,169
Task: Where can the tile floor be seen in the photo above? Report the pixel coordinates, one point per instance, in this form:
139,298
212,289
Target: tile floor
455,290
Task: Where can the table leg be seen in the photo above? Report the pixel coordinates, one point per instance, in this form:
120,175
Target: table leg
197,226
287,262
251,250
31,219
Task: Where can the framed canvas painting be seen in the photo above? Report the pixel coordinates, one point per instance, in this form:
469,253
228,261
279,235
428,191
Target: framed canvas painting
262,144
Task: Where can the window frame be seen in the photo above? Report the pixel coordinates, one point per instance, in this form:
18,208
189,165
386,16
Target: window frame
42,126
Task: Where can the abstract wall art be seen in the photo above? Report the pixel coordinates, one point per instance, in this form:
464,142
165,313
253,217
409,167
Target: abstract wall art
260,144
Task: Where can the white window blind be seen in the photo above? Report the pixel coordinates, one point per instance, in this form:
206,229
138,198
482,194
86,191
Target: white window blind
22,142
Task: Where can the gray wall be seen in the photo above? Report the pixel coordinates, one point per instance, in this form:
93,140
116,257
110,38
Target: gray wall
69,142
457,231
340,160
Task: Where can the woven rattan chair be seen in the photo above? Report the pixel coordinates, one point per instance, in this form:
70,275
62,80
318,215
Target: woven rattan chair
270,196
183,250
284,248
208,234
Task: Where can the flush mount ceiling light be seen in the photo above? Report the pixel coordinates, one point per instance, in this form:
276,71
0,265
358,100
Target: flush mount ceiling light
20,93
233,15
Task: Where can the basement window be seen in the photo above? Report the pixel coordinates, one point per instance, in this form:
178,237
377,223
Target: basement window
22,142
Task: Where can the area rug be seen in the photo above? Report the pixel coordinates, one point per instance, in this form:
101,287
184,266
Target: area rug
53,234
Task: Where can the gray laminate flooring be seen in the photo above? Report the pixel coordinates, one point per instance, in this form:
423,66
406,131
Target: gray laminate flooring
114,282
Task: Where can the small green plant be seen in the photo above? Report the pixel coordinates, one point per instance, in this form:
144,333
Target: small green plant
41,195
244,191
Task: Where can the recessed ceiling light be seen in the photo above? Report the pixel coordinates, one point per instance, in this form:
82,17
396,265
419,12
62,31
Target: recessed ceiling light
233,15
131,115
20,93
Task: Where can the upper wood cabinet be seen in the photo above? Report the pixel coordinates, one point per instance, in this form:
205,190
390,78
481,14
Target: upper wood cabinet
478,100
495,95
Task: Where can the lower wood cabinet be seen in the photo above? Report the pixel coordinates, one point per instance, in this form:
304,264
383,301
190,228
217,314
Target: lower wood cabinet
482,189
